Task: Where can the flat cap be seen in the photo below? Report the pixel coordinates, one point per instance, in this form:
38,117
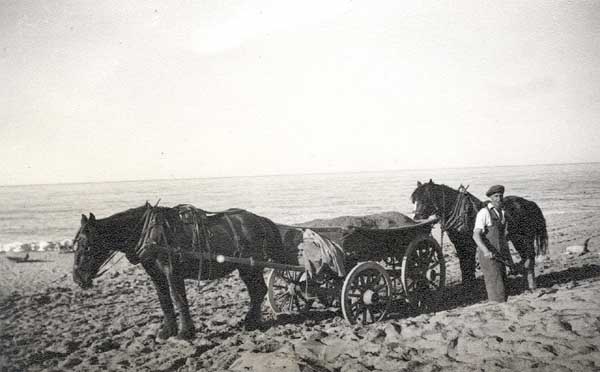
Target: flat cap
494,190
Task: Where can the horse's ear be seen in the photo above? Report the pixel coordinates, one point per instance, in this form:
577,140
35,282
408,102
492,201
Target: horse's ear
430,180
419,184
84,219
92,217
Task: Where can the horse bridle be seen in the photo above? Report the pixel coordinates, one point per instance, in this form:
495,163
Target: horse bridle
102,244
436,208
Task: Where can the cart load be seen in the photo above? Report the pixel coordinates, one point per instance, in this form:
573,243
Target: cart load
316,252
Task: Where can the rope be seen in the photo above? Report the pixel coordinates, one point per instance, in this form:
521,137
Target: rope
236,238
108,260
105,263
144,233
196,242
443,215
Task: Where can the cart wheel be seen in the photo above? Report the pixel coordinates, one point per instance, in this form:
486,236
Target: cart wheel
423,271
366,294
286,292
328,291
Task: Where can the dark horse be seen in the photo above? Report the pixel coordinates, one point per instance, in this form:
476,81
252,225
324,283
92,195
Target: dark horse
457,210
136,232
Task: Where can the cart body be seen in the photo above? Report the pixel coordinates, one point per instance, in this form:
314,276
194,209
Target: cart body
403,264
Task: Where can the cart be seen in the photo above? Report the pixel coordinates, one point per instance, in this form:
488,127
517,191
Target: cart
404,264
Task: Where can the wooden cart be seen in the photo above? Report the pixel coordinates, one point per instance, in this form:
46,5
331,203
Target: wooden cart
403,264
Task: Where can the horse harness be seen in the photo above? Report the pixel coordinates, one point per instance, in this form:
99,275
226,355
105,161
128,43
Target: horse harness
458,218
195,221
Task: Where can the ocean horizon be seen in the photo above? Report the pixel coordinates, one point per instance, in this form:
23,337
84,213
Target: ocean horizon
51,212
293,174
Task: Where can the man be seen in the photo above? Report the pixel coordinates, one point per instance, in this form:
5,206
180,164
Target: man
492,246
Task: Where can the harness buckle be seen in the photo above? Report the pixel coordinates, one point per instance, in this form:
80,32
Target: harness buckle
187,216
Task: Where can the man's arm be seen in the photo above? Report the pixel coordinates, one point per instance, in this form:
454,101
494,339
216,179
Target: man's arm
481,221
478,238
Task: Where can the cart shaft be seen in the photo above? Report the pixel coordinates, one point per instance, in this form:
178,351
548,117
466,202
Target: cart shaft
252,262
222,259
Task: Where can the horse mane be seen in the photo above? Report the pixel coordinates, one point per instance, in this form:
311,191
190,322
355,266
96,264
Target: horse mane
121,224
420,189
126,213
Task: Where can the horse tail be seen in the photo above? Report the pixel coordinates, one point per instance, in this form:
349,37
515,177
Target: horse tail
274,248
540,232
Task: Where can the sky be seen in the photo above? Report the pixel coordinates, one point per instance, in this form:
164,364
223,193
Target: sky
110,90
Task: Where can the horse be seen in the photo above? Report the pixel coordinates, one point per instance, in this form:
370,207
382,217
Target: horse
457,210
190,236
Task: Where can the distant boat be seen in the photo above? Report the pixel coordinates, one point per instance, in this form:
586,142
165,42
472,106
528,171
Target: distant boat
20,259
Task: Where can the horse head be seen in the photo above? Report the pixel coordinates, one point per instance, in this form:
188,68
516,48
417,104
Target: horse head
90,252
423,198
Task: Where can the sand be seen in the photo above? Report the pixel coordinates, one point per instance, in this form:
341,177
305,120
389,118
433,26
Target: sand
47,323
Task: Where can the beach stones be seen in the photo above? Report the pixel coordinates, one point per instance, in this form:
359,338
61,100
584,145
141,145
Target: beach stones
41,246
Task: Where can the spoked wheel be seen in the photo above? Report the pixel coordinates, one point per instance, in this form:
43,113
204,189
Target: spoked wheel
366,293
423,271
286,292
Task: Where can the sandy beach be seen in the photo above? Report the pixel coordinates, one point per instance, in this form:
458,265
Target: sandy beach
47,323
118,117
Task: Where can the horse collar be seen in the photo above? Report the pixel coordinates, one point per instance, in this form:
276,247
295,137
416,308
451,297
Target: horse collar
437,208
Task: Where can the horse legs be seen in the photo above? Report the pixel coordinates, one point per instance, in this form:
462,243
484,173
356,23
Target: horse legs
177,285
257,289
169,326
526,250
529,267
465,250
467,265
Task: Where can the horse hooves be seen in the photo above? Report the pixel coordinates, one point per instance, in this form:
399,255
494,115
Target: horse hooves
163,335
187,334
251,325
166,332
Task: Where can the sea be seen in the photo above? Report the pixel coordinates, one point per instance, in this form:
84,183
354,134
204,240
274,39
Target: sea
52,213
